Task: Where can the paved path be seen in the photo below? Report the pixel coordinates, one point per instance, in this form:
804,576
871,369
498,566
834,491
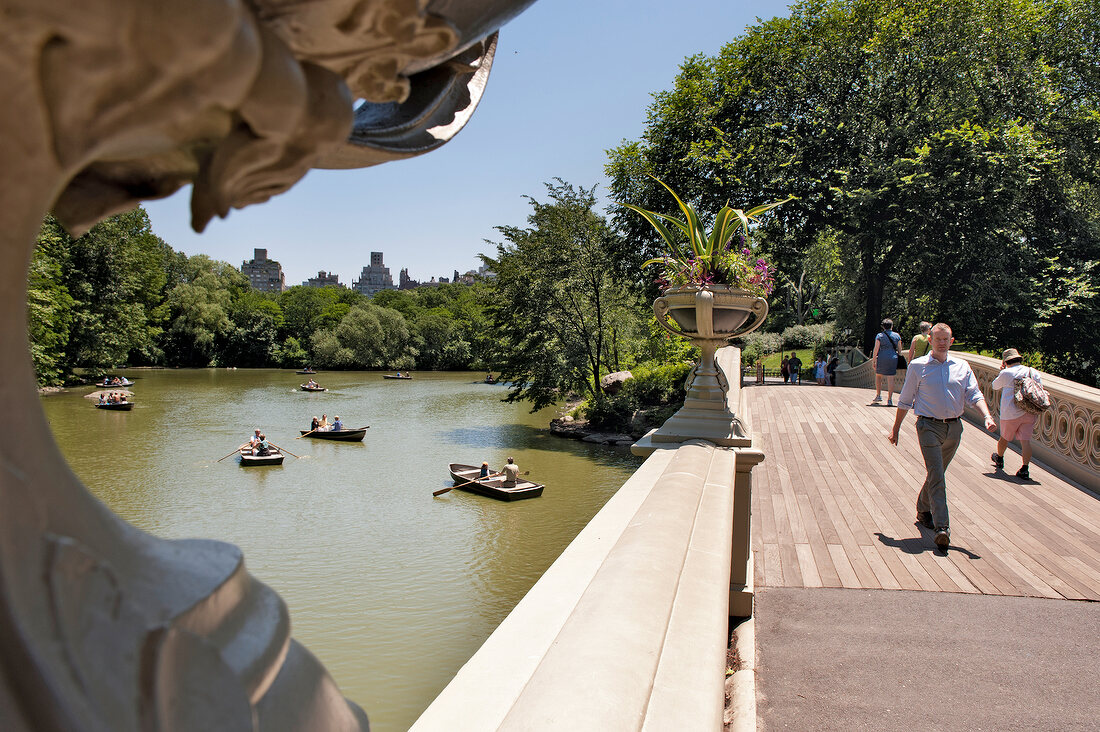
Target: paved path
831,659
834,506
979,638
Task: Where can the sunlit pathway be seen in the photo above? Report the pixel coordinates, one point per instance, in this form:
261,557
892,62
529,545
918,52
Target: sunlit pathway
834,506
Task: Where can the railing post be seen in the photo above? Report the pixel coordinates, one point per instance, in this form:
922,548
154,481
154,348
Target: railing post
741,576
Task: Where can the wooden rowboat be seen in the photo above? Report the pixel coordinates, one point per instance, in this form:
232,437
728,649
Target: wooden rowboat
116,406
395,376
465,475
248,460
307,387
104,384
305,371
338,435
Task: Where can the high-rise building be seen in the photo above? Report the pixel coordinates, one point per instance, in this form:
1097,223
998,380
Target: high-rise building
374,278
323,279
263,273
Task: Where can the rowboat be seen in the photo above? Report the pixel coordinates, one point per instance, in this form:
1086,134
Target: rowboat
116,406
338,435
465,478
107,383
395,376
248,460
305,371
307,387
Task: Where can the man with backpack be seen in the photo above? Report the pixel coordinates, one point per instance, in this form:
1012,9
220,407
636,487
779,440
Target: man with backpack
1018,411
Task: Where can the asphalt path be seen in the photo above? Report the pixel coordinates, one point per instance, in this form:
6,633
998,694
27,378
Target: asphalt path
836,659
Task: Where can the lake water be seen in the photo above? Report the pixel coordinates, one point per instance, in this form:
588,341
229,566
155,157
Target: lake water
393,589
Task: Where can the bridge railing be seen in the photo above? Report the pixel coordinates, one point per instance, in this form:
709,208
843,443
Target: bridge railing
628,628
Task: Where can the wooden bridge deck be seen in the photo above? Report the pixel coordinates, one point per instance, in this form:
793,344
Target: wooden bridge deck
834,505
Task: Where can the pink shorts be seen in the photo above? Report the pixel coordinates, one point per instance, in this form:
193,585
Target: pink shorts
1020,428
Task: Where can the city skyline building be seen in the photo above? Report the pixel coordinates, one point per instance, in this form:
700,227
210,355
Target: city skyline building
375,277
264,274
323,279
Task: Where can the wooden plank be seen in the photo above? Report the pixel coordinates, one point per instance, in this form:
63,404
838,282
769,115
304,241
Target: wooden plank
773,566
807,565
844,568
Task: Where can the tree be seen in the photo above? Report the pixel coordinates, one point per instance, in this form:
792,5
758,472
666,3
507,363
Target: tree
115,275
49,306
198,311
949,145
558,299
368,337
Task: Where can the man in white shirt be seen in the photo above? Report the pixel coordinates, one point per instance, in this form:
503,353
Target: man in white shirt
937,387
1016,424
511,473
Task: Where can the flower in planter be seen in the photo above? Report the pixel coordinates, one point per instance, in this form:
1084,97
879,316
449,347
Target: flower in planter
721,257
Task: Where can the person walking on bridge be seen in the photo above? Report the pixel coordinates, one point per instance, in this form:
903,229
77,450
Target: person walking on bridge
937,387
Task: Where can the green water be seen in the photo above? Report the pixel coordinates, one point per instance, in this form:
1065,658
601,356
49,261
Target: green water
393,589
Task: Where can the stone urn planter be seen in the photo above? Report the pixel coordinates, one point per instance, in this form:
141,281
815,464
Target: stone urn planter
709,316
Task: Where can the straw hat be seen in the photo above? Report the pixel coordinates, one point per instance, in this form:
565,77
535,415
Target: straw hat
1010,355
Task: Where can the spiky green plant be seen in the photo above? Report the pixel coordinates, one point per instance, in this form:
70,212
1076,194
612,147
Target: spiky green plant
714,257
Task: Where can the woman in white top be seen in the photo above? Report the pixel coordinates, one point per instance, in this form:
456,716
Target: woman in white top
1016,424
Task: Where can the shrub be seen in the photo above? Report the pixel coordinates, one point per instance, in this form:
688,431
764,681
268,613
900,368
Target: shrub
816,337
659,385
758,345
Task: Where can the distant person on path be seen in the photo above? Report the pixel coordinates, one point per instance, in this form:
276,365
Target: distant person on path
760,371
795,366
830,371
937,387
819,370
1016,424
511,474
785,369
921,344
885,358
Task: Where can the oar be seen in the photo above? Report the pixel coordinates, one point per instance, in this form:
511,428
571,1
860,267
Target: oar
232,453
307,434
468,482
280,449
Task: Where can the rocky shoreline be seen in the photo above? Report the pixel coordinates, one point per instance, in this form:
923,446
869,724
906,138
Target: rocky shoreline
578,429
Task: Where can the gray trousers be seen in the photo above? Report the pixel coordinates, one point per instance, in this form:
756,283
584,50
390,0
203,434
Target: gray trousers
938,443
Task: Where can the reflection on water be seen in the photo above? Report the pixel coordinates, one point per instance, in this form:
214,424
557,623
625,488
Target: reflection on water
393,589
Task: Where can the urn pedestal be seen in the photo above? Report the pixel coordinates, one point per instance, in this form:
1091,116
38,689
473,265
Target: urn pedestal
709,317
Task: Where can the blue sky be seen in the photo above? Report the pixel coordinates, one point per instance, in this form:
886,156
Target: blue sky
572,79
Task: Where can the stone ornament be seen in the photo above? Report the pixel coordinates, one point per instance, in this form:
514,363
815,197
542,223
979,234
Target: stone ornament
110,102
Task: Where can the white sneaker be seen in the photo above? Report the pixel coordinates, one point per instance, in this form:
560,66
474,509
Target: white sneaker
877,399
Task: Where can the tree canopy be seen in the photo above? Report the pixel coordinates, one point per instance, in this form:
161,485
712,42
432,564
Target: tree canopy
948,147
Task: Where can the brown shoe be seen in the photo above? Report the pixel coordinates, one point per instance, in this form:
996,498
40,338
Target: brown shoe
943,538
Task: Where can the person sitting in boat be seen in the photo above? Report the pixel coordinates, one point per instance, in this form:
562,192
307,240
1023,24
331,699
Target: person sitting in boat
311,382
484,471
314,424
254,439
263,447
323,426
337,425
511,474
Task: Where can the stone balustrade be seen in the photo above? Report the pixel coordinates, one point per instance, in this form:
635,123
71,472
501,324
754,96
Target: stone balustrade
628,629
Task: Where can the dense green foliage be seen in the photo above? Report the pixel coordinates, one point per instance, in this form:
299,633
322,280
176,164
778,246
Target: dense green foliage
943,152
